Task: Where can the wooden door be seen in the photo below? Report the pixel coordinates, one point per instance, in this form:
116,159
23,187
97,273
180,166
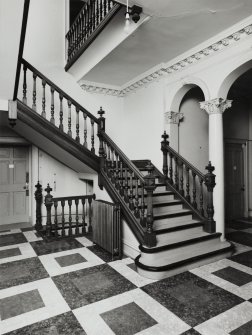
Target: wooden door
14,187
234,181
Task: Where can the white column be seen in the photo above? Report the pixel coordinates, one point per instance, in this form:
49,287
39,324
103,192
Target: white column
215,108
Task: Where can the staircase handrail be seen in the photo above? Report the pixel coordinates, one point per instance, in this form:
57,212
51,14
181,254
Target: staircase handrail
59,90
89,196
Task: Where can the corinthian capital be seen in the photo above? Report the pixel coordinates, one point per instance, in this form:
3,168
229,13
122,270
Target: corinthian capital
174,117
216,106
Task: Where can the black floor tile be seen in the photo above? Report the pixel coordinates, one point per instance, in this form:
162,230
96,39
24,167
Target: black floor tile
191,332
89,285
11,239
245,329
239,225
191,298
100,252
9,253
244,258
20,272
64,324
128,319
44,247
234,276
240,237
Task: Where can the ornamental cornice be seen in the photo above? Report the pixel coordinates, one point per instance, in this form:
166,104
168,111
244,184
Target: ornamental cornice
164,70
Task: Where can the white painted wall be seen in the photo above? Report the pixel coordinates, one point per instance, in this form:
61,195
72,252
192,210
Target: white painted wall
11,13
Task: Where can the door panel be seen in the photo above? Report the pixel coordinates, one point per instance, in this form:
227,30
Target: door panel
14,199
234,181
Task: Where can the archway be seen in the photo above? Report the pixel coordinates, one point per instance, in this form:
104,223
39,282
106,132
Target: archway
237,122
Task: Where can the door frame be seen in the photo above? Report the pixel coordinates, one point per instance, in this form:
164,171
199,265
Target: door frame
19,142
244,144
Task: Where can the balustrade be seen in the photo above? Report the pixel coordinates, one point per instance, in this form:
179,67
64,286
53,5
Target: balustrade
89,22
191,184
48,100
65,216
135,189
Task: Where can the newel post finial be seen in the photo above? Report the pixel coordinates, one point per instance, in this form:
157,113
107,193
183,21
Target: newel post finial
101,112
164,149
210,224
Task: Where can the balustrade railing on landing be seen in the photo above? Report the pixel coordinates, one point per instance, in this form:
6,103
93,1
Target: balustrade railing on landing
93,17
49,101
189,183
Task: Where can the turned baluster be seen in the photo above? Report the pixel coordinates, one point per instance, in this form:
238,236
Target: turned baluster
83,216
131,202
77,125
77,231
105,157
97,12
210,224
142,214
90,214
43,98
171,169
85,130
117,173
112,171
52,106
69,118
34,107
201,197
93,15
136,211
121,179
181,168
92,136
150,236
188,197
61,112
105,7
194,202
108,162
70,232
63,233
55,218
164,148
176,177
101,11
38,198
126,186
48,204
110,4
24,85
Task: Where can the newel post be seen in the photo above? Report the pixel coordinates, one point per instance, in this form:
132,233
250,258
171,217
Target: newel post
48,204
38,198
164,149
210,224
150,236
101,127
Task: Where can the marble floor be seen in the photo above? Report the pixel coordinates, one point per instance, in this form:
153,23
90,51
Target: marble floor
73,287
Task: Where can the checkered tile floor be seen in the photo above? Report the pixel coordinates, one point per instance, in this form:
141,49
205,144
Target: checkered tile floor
72,287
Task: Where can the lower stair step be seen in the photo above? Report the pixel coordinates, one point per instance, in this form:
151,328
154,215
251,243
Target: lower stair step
165,264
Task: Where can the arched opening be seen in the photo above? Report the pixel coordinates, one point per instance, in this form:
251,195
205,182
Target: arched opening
193,130
237,123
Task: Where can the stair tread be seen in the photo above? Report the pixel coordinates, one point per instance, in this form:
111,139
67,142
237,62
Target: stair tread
175,211
201,251
177,226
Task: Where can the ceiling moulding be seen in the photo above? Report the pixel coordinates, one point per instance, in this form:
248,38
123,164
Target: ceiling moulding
171,67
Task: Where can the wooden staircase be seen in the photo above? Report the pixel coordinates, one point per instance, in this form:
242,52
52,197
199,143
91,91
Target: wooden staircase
171,213
182,243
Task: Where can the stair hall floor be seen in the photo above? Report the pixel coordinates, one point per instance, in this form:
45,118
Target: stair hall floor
73,287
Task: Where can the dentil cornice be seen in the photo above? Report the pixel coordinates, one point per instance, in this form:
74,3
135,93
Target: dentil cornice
164,69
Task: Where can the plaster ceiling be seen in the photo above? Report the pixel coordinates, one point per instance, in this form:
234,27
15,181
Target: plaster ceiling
175,26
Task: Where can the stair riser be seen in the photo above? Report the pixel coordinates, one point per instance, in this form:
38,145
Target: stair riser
166,209
168,197
173,237
176,225
160,189
164,223
170,256
165,274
